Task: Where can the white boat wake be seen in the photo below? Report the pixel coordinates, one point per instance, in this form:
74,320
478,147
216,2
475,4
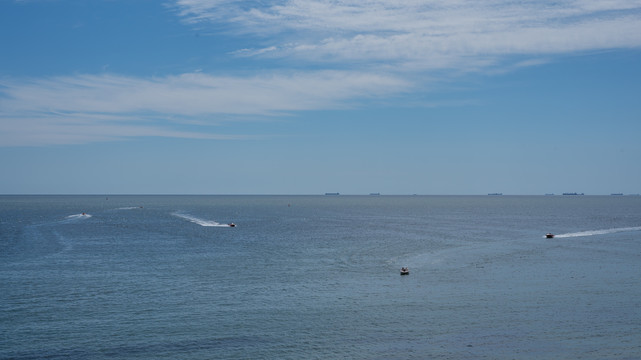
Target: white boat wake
598,232
79,216
199,221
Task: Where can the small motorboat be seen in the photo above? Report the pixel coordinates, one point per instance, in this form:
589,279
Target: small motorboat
405,271
231,225
549,235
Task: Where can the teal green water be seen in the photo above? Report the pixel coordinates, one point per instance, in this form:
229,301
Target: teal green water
163,277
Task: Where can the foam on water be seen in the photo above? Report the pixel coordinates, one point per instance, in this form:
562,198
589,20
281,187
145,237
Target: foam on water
199,221
78,216
598,232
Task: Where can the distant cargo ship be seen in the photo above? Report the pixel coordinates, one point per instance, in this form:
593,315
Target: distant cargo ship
573,193
617,194
333,194
374,194
495,194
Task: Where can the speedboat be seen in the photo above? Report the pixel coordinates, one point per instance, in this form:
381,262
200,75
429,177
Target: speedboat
405,271
549,235
231,225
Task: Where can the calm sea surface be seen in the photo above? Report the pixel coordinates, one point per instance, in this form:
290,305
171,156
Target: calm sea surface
317,277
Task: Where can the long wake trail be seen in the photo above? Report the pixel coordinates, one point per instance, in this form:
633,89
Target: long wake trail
199,221
598,232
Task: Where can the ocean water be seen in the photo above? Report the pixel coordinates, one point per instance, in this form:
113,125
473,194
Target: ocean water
317,277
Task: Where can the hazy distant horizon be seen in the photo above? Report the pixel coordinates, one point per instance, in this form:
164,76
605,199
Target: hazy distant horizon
312,194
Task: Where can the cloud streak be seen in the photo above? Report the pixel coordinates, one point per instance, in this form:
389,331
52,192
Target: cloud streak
424,34
88,108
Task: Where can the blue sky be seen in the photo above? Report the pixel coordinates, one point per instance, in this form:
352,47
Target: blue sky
315,96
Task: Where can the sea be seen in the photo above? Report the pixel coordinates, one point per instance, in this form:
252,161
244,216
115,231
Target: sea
318,277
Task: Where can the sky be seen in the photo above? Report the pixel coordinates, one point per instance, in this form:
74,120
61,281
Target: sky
427,97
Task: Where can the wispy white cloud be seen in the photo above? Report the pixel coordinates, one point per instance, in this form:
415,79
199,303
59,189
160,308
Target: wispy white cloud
422,33
87,108
376,48
86,128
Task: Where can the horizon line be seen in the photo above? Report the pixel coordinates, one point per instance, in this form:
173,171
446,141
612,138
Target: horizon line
317,194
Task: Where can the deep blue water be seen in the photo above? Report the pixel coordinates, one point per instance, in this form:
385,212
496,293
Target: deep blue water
317,277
